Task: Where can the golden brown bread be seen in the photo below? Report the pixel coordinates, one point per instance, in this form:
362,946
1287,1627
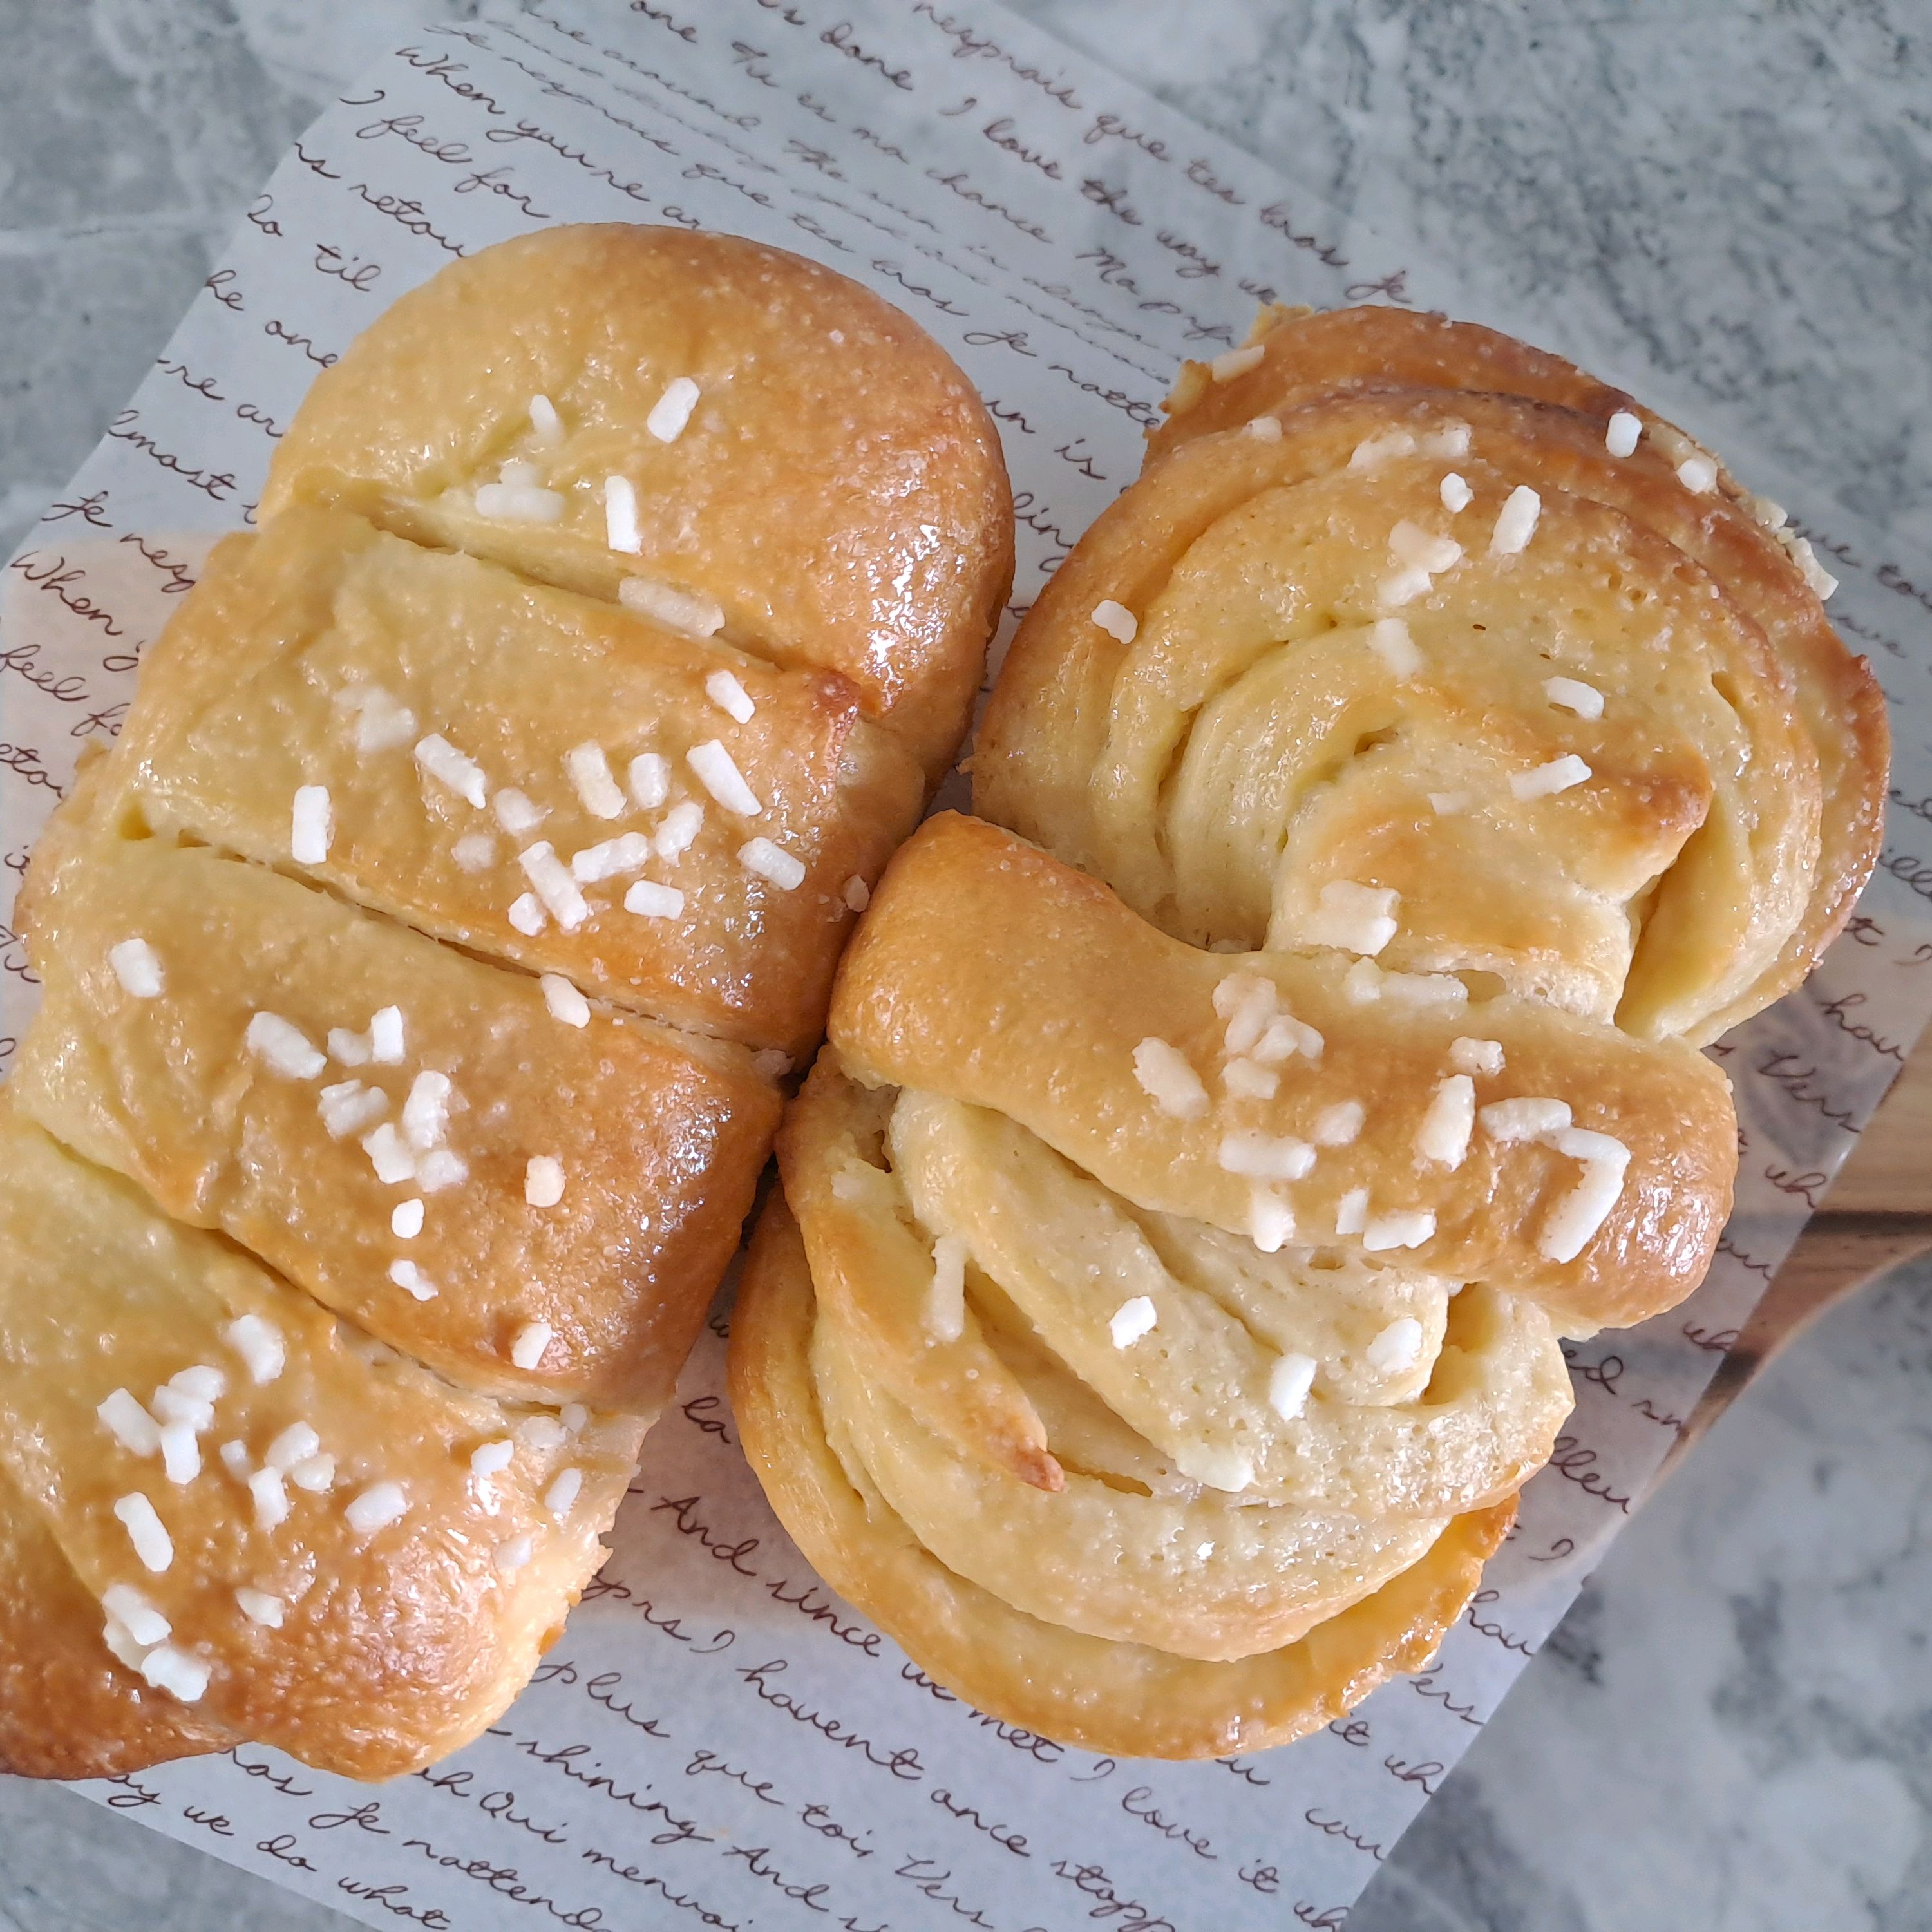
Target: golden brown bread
472,867
836,488
390,1642
169,1092
322,652
1191,1201
1123,1700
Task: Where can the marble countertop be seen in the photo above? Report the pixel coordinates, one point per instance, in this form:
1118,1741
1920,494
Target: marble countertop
1733,1729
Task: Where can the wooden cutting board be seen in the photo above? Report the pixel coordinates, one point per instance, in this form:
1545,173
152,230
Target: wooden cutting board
1878,1213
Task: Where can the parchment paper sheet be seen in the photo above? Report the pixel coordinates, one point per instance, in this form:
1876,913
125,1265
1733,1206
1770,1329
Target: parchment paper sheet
717,1741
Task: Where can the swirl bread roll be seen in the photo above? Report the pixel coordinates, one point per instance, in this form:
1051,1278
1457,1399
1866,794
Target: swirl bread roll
1388,795
421,969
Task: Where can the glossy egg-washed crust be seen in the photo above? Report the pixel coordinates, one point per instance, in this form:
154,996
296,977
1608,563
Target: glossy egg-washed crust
1119,1541
837,493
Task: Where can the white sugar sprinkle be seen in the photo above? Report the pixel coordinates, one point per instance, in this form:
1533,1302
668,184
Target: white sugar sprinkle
1234,362
1258,1157
545,424
1411,544
271,1498
182,1675
377,1508
348,1106
672,410
381,723
1270,1221
1373,451
1558,775
1131,1321
1572,694
945,1297
1577,1216
474,852
492,1458
551,881
412,1281
1355,918
258,1607
312,825
1403,1228
542,1432
1447,804
145,1530
1338,1125
180,1453
1265,429
650,780
543,1181
1389,640
574,1417
283,1047
1117,620
1516,522
203,1382
1397,1348
725,691
527,915
1620,438
1524,1120
1698,474
629,852
564,1002
1289,1382
771,1063
1284,1036
515,813
173,1404
259,1344
314,1474
236,1459
511,1556
688,613
1456,494
620,516
426,1111
349,1048
142,1621
130,1425
1443,1135
677,828
1249,1080
405,1219
1351,1211
1247,1002
589,772
1167,1078
296,1443
649,900
526,1350
561,1497
1476,1056
857,894
138,968
389,1155
773,863
717,772
385,1037
448,767
440,1169
1821,580
518,502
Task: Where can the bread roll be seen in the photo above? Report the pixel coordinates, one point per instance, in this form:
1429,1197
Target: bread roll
421,970
1390,792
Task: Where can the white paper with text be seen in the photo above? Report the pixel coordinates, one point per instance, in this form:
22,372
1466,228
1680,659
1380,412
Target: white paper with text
717,1740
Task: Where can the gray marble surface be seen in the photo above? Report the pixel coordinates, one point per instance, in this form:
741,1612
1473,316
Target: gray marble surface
1733,1730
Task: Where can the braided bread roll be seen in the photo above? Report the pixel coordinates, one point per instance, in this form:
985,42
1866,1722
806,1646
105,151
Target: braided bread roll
1389,793
420,971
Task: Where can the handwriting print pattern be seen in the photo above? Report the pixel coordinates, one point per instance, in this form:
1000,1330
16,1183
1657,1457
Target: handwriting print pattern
718,1741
